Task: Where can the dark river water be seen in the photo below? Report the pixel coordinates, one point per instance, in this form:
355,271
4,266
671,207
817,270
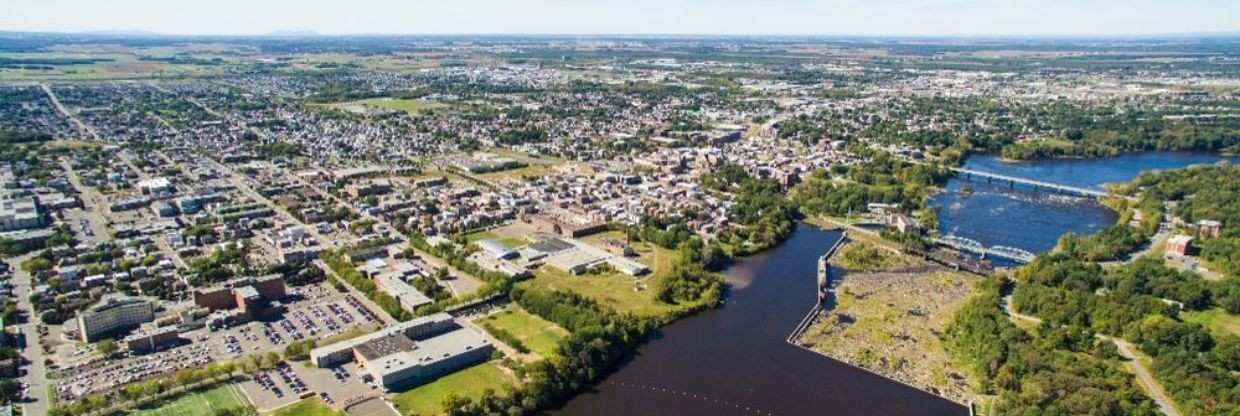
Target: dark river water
734,360
996,214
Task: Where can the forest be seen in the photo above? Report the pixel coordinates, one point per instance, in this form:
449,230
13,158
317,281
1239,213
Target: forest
1141,302
1050,371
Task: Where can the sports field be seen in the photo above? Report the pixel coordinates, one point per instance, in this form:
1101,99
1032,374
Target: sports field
197,403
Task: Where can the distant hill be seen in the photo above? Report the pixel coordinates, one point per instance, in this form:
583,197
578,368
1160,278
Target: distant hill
293,33
121,32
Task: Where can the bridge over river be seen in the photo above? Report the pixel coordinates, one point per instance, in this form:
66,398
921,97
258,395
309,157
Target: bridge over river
975,247
1012,180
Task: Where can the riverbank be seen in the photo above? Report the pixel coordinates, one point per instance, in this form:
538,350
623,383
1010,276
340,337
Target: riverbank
888,321
736,360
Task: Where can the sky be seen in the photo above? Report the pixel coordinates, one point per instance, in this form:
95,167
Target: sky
724,17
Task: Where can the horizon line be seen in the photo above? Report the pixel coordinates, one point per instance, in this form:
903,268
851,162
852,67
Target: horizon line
308,33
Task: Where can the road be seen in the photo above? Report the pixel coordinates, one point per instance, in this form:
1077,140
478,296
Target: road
452,285
240,181
91,196
1148,382
124,155
61,108
36,372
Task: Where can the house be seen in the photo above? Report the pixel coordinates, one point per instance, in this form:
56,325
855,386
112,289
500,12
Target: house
903,223
1179,245
1209,228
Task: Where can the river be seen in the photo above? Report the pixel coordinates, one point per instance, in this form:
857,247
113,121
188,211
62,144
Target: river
734,360
996,214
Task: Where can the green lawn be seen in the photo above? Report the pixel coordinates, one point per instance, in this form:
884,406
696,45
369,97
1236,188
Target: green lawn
518,173
536,333
306,407
470,383
197,403
408,106
1217,320
616,290
510,242
481,235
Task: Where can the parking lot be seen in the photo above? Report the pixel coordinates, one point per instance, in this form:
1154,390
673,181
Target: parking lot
319,312
88,226
338,387
106,375
327,315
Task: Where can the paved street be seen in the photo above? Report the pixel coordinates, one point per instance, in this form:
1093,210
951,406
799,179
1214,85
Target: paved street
36,372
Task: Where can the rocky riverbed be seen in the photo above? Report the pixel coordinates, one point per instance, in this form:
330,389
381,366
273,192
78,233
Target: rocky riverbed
889,322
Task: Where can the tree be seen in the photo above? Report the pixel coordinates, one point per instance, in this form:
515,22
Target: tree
9,391
107,347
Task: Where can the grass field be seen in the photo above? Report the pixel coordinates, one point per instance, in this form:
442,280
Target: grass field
113,64
616,290
510,242
306,407
198,403
536,333
1216,320
518,174
408,106
470,383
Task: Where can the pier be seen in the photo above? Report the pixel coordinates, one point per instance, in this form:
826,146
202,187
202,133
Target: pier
826,294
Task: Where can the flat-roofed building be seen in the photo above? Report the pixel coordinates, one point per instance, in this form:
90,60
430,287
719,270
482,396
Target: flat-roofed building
150,338
113,314
342,352
155,185
397,362
496,249
20,214
408,296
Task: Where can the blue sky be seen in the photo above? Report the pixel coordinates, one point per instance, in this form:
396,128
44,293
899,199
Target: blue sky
826,17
